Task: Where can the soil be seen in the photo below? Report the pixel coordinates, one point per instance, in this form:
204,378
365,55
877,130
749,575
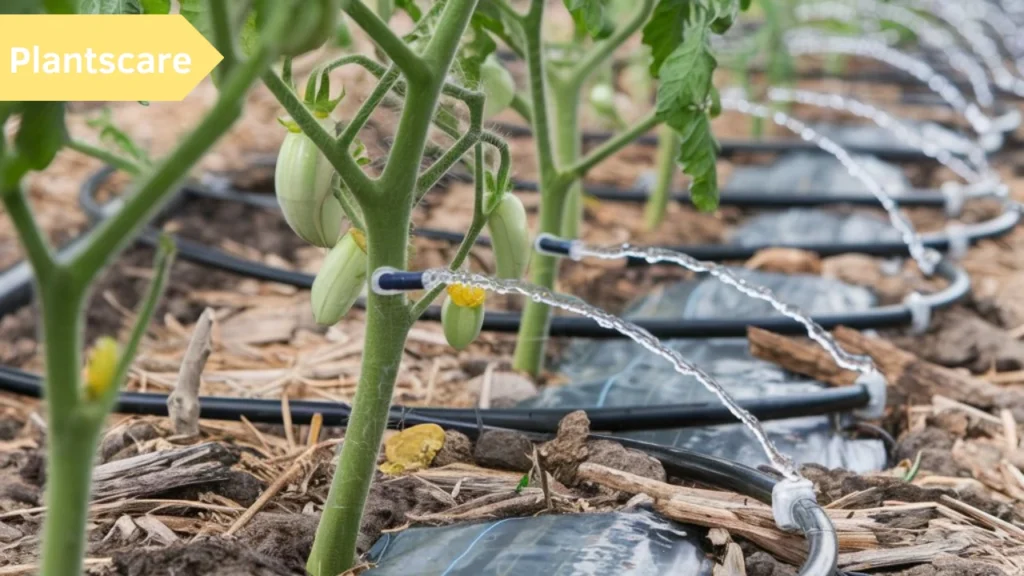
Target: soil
267,345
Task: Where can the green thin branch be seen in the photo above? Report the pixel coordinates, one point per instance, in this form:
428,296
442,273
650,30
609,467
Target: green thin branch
522,107
106,156
533,22
350,208
610,147
223,37
369,105
162,262
604,49
411,64
37,249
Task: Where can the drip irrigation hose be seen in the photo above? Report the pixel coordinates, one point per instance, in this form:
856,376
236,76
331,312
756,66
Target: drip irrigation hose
677,462
565,326
942,241
536,420
733,148
740,198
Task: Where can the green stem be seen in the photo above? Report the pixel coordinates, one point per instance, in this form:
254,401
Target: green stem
568,141
36,247
223,37
530,344
533,332
120,162
522,107
611,146
668,150
69,477
604,49
387,215
369,105
387,325
410,63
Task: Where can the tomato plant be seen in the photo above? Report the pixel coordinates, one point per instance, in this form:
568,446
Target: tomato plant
445,62
678,34
77,406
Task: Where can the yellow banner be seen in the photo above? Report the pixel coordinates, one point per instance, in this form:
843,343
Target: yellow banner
101,57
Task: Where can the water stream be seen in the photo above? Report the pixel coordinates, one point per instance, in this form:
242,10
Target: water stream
861,364
926,258
441,276
930,35
808,41
930,147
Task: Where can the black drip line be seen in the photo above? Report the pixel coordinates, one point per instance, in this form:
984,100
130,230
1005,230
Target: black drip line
580,327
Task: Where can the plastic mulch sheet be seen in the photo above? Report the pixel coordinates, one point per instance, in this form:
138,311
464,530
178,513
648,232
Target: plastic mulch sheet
621,373
621,543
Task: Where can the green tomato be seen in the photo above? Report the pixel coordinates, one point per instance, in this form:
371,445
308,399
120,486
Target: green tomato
510,237
313,24
602,98
340,280
498,86
462,315
302,180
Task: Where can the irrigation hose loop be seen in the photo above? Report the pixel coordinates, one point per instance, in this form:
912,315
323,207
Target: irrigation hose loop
953,192
786,493
920,313
877,387
959,243
822,541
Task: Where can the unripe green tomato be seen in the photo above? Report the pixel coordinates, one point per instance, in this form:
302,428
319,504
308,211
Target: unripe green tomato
498,86
510,237
302,180
314,23
602,98
340,280
462,315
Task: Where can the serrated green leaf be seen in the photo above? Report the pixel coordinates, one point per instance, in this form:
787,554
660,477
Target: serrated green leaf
664,31
686,97
197,15
114,137
111,7
42,133
589,16
160,7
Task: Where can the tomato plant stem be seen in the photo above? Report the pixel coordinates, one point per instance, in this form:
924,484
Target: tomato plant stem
565,101
387,212
668,149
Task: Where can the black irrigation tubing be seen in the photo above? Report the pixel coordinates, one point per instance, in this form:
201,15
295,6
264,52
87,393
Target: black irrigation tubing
732,148
532,420
580,327
677,462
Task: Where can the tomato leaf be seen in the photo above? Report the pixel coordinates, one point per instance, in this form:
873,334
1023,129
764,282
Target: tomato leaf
156,7
664,31
114,137
686,97
42,133
111,7
588,15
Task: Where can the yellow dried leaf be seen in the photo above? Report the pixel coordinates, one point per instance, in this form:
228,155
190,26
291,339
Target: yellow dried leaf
412,449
